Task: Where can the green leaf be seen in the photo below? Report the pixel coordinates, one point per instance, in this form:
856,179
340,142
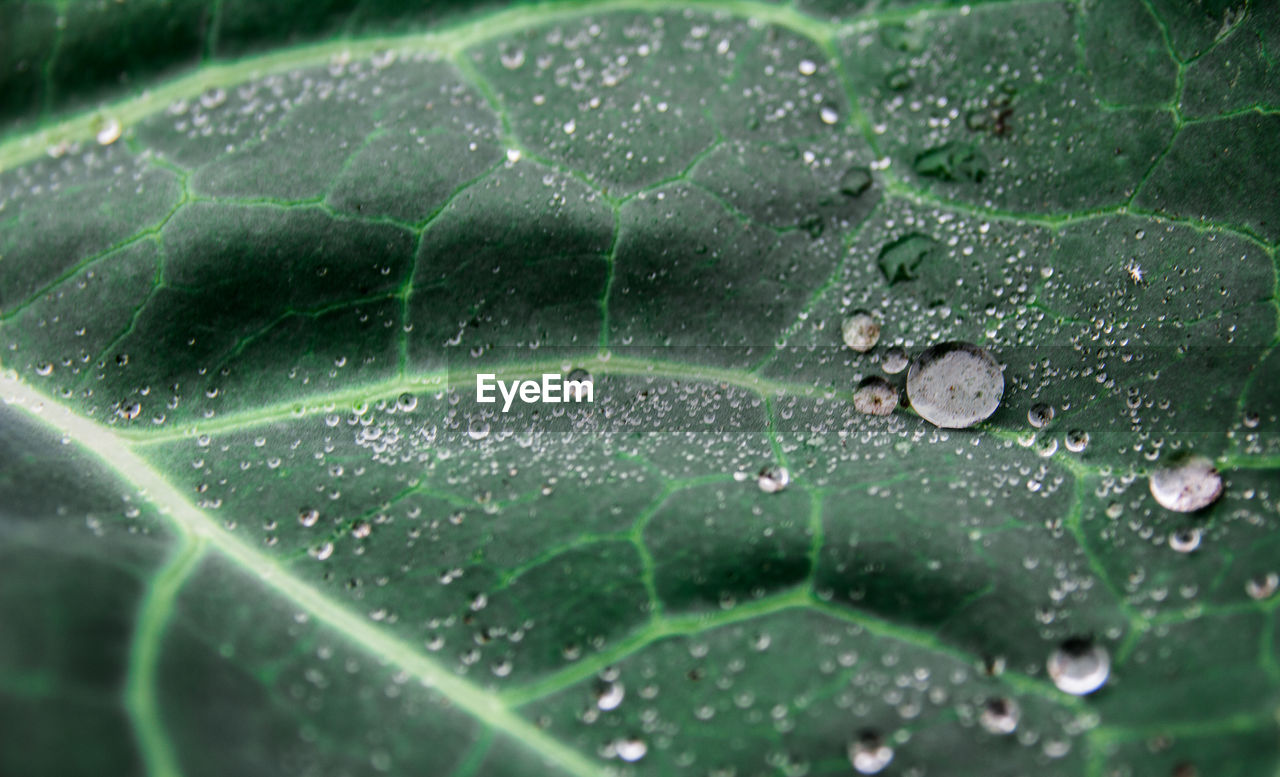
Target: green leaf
253,257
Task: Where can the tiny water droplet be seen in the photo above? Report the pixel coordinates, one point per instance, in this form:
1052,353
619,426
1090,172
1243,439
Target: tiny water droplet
109,131
1079,667
773,479
1262,586
609,694
322,552
44,369
1076,440
869,754
1000,715
860,331
631,749
1040,415
807,67
1185,540
895,361
875,396
406,402
955,385
1188,483
829,115
308,517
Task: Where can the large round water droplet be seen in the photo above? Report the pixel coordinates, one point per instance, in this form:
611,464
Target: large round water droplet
869,754
1079,666
1187,484
875,396
895,361
609,694
955,385
1040,415
860,331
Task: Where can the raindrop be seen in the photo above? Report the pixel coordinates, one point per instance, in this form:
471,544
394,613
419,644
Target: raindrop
322,552
609,694
1000,715
213,98
900,259
955,385
512,59
1079,667
1185,540
361,530
580,393
478,429
829,115
631,749
1251,420
895,361
1262,586
1076,440
109,132
869,754
1187,484
44,369
1040,415
875,396
773,479
860,331
308,517
406,402
808,67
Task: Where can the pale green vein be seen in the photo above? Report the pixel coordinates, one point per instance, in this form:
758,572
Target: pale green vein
144,657
115,453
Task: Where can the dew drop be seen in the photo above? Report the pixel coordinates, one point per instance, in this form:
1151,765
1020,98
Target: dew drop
579,393
1079,667
895,361
322,552
860,331
807,67
512,59
773,479
478,429
609,694
1185,540
1000,715
406,402
44,369
1040,415
308,517
829,115
1076,440
631,749
213,98
109,132
875,396
1187,484
955,385
869,754
1262,586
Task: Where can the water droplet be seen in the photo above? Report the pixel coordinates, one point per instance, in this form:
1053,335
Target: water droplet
478,429
855,181
130,410
213,98
773,479
1251,420
860,331
829,115
631,749
308,517
44,369
900,259
570,127
895,361
1040,415
1076,440
869,754
361,530
322,552
955,385
1000,715
609,694
579,393
807,67
512,59
406,402
1187,484
1079,666
1185,540
875,396
1262,586
109,131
